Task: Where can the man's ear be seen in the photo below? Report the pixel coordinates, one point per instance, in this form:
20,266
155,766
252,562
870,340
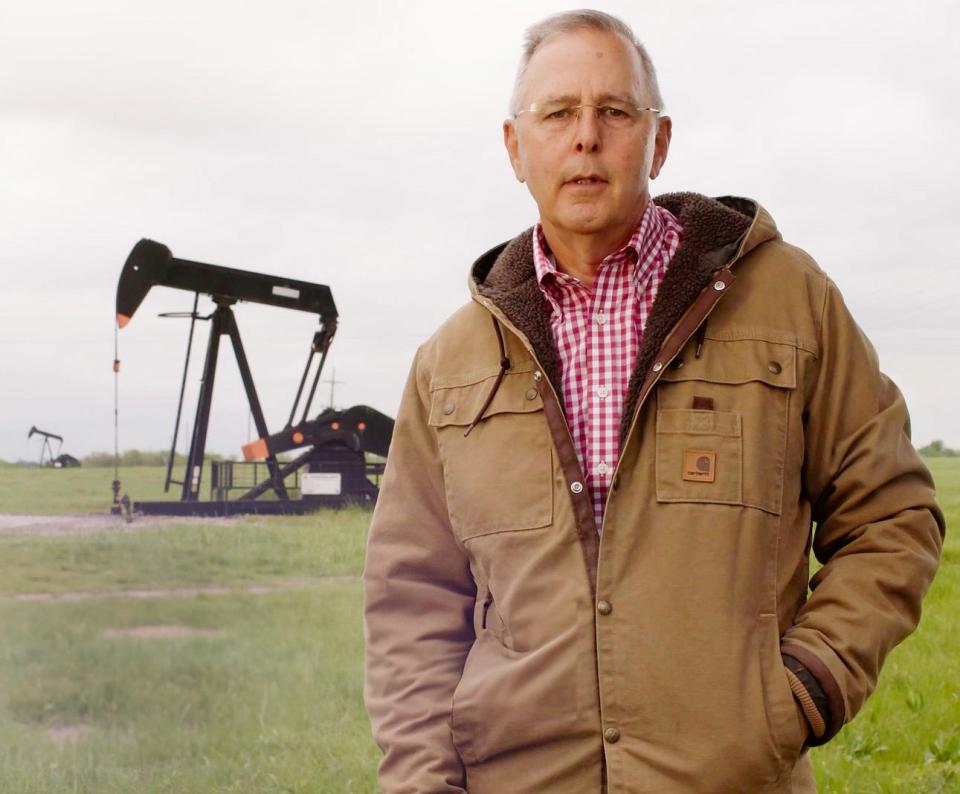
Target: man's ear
513,148
661,145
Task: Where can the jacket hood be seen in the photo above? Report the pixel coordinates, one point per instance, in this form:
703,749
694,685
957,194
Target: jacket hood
716,232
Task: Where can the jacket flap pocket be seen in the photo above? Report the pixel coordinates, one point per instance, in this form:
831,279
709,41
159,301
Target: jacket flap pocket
714,423
699,456
459,405
738,361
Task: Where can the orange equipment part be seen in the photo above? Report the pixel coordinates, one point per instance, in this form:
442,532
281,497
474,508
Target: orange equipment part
255,450
122,320
297,437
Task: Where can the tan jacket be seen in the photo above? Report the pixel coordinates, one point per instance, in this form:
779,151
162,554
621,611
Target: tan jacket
513,649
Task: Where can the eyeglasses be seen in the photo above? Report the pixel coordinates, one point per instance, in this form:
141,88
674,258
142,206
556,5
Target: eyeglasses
556,117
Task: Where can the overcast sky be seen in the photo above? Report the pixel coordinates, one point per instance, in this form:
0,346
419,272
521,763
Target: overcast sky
359,146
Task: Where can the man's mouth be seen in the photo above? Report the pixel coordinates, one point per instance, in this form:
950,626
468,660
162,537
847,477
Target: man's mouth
589,179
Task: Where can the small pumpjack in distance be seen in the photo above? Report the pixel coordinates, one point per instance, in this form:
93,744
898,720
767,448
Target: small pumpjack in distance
331,467
62,460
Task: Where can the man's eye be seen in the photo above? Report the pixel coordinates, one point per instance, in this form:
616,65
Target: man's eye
613,113
558,115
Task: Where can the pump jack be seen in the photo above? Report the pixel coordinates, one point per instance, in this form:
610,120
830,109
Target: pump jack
47,458
335,441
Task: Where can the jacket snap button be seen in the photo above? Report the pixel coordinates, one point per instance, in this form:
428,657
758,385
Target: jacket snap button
774,367
719,286
604,607
657,367
576,486
447,408
537,375
531,394
612,735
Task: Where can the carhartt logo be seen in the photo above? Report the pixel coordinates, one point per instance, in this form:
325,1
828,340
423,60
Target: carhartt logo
699,465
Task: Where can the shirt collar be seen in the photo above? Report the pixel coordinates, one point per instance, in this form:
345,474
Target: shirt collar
646,236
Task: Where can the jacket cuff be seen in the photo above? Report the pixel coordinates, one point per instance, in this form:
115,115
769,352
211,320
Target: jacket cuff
816,691
805,694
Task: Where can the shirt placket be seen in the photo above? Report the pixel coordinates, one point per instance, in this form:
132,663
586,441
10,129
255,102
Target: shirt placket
597,333
603,337
569,327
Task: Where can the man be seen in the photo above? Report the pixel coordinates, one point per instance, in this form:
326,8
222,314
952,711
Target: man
588,567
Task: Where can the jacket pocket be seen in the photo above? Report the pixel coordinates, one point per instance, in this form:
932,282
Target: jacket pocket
783,719
509,701
698,457
487,619
740,450
499,476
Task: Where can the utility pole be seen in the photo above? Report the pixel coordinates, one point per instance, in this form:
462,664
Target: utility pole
333,381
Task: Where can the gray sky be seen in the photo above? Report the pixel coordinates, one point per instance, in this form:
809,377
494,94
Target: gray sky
359,146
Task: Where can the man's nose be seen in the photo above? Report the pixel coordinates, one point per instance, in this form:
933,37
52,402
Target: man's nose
587,130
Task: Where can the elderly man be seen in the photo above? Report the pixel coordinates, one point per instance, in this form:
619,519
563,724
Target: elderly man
588,567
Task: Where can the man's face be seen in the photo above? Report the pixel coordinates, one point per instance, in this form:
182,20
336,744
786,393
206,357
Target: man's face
587,67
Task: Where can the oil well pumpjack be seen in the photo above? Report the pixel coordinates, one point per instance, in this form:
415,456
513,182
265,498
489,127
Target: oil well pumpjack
330,466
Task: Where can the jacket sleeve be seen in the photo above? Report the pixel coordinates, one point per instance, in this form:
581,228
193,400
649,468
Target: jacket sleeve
419,598
879,531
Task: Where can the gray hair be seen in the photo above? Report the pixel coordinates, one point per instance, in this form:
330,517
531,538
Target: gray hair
583,19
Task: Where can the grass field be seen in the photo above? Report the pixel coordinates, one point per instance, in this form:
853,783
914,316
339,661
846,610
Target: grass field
227,656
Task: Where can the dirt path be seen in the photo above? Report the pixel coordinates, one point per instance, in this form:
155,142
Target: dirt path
85,523
278,586
163,631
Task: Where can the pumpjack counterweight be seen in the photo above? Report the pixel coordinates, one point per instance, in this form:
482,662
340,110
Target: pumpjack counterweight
332,467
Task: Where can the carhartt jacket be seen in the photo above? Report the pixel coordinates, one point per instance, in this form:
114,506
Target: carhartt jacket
513,649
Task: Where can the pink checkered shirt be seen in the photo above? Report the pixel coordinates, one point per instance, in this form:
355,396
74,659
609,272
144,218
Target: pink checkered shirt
598,331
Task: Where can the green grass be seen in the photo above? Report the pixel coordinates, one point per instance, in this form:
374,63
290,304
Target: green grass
242,551
271,705
272,702
40,491
84,490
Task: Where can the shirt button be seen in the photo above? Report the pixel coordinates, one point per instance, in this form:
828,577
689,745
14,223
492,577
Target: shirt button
602,468
600,318
602,392
532,393
612,735
604,607
448,408
774,367
576,486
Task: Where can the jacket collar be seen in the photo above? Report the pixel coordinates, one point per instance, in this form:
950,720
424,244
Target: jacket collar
716,232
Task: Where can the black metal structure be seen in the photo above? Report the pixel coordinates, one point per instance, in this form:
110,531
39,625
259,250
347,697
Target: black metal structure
337,441
46,450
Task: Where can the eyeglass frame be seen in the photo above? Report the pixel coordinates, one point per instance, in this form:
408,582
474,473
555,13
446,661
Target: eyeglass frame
535,106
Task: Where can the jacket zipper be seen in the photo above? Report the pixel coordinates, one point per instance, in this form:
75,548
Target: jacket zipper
486,608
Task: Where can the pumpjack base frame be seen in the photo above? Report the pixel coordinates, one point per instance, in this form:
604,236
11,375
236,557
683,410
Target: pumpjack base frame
236,507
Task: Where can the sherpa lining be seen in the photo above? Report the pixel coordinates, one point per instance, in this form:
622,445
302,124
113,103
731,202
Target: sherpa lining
712,232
